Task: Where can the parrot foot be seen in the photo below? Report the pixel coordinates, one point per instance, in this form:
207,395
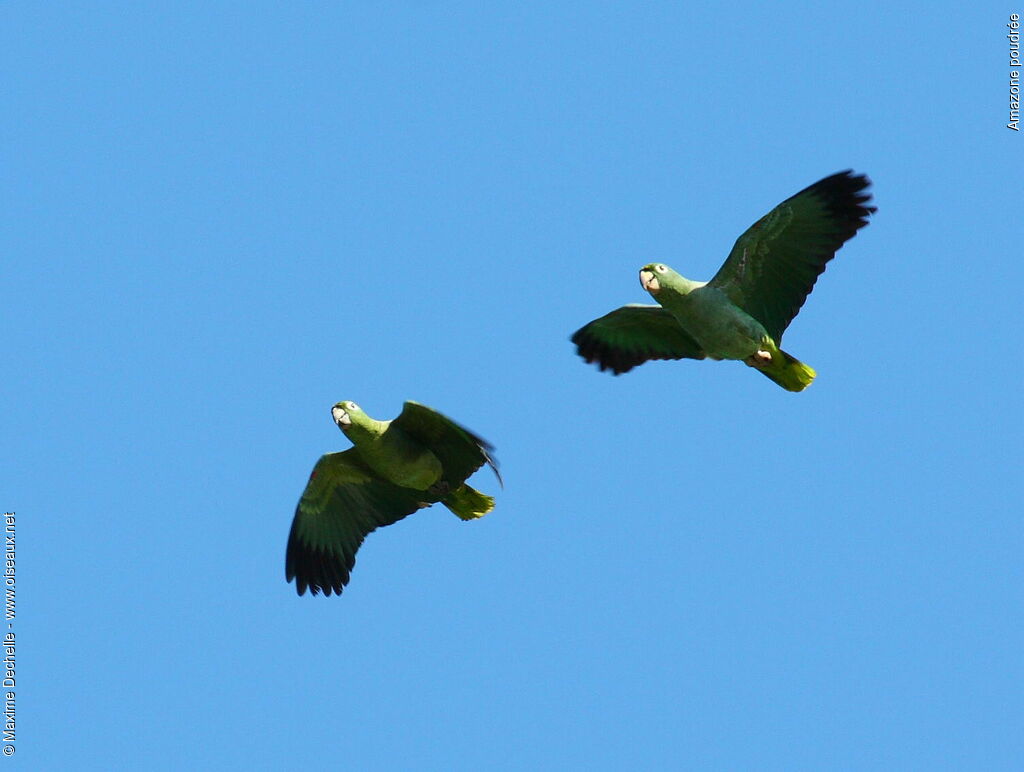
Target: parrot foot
759,359
439,489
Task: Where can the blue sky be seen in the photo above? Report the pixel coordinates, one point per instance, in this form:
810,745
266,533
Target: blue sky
222,218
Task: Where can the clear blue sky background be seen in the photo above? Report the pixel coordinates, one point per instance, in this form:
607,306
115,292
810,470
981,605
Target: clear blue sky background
221,218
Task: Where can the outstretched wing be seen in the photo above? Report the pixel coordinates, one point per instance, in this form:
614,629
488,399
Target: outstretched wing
774,264
459,450
632,335
343,502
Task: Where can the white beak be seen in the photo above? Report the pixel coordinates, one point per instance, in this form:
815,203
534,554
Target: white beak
649,281
340,416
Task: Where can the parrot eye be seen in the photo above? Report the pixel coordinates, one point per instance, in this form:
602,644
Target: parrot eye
659,268
353,406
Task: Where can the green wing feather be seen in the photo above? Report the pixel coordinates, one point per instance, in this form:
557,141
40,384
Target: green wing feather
459,450
775,263
632,335
342,503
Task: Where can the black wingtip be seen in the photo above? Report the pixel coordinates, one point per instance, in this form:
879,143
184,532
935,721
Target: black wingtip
606,358
493,463
846,195
314,570
486,450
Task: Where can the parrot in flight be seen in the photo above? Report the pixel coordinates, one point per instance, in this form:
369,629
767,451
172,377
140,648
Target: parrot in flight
394,469
745,308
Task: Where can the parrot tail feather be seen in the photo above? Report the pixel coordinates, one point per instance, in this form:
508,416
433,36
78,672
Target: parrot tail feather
790,373
468,503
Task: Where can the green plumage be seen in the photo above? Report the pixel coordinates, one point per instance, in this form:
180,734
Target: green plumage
743,311
395,468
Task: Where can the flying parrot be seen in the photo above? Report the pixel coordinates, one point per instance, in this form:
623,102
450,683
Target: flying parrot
745,308
395,468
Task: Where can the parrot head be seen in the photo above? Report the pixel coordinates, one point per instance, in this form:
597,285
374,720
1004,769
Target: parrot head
348,414
654,276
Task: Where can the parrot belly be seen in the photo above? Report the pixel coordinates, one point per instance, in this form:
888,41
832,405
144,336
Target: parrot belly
722,329
398,459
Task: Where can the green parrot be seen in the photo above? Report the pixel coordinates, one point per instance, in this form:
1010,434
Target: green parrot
395,468
743,311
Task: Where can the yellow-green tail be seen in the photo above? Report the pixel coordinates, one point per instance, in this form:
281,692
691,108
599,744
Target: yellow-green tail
789,372
468,503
